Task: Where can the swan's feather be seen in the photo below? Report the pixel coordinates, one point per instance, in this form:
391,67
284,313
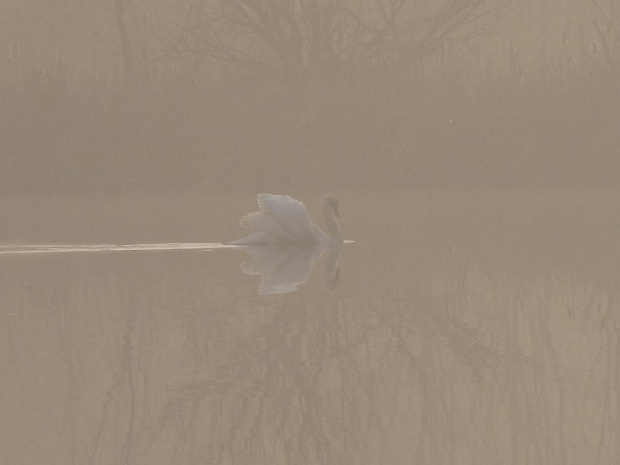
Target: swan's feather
267,224
291,214
282,219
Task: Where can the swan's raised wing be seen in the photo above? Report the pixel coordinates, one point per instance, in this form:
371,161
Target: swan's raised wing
282,220
292,216
268,230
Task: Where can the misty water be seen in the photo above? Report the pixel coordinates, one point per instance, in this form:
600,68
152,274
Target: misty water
469,328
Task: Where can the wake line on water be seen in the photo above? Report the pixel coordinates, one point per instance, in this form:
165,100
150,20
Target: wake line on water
72,248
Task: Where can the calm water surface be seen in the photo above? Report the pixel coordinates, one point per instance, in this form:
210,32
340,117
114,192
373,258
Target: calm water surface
457,329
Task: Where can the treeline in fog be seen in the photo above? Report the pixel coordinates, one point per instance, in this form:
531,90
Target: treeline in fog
152,95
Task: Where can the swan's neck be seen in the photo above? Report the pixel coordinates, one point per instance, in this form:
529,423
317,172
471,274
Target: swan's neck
333,228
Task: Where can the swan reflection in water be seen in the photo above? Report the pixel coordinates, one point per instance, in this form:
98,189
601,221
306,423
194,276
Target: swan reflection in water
286,243
284,268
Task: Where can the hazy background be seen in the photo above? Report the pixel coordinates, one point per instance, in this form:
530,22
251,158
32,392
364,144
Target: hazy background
469,326
100,96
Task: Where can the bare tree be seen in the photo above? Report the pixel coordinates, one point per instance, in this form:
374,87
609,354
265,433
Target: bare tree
607,27
312,33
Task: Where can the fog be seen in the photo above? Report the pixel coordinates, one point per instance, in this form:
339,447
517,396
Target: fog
454,301
135,96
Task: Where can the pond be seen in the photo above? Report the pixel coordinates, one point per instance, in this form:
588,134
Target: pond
456,327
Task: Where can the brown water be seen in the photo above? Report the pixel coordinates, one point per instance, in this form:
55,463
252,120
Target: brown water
461,329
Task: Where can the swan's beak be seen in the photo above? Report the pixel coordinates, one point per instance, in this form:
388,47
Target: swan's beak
336,211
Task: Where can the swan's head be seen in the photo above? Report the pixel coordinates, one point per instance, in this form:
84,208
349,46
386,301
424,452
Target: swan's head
330,202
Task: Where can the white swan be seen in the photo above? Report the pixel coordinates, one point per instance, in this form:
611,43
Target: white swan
284,220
